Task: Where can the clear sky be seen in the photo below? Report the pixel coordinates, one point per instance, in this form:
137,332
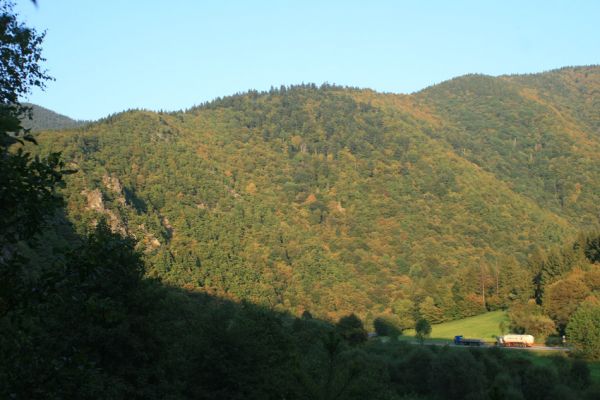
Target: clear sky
111,55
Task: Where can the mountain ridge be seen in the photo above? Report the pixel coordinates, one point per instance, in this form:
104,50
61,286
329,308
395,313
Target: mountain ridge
339,200
43,119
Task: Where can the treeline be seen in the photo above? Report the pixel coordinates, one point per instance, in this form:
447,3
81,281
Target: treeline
566,295
88,325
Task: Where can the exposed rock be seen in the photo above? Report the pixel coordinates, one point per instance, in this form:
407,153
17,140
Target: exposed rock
94,200
116,225
167,224
149,241
113,184
154,243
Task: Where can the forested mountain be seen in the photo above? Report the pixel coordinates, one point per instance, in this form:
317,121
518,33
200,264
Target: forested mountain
540,133
339,200
43,119
224,252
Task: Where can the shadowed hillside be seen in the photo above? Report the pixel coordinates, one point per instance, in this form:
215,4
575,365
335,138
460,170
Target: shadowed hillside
80,320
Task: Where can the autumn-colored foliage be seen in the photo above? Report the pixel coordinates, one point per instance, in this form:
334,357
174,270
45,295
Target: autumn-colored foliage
364,200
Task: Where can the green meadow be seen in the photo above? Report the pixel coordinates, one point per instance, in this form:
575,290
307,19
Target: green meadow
485,326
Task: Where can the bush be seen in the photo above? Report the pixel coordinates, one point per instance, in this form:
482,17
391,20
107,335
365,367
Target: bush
387,326
529,318
423,329
583,331
352,329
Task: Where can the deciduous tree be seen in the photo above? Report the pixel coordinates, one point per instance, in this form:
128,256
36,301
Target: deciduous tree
583,331
423,329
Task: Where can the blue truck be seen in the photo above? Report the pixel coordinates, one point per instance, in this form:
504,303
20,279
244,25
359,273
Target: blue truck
461,341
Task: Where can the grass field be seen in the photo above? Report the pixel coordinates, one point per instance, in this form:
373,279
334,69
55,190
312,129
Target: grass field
485,326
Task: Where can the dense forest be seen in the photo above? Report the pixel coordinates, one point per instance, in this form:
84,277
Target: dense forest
244,248
338,200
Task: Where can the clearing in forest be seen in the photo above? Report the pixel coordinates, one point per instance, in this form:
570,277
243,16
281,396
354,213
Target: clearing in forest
485,326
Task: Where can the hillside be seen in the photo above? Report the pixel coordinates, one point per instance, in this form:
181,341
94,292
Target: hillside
539,133
339,200
43,119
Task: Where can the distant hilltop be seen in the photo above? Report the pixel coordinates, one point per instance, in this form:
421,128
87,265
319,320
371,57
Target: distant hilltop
44,119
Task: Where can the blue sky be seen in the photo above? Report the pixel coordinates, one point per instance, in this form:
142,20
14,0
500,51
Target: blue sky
111,55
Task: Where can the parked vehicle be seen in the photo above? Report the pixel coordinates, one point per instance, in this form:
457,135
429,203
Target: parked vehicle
514,340
461,341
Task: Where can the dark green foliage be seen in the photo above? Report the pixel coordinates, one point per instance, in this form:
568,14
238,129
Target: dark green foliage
502,389
583,330
27,192
579,374
21,70
457,375
592,247
20,57
423,329
549,267
27,184
409,373
245,355
385,326
351,328
446,373
592,393
333,370
86,317
538,382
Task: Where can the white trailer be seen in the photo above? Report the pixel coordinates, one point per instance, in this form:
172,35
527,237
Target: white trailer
514,340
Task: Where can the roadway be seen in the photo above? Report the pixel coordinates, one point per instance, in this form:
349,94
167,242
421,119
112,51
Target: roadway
489,346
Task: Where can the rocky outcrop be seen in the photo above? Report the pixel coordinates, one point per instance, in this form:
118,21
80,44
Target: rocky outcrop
113,184
95,202
148,241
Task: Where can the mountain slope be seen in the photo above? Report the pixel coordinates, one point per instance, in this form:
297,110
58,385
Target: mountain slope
529,131
43,119
338,200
